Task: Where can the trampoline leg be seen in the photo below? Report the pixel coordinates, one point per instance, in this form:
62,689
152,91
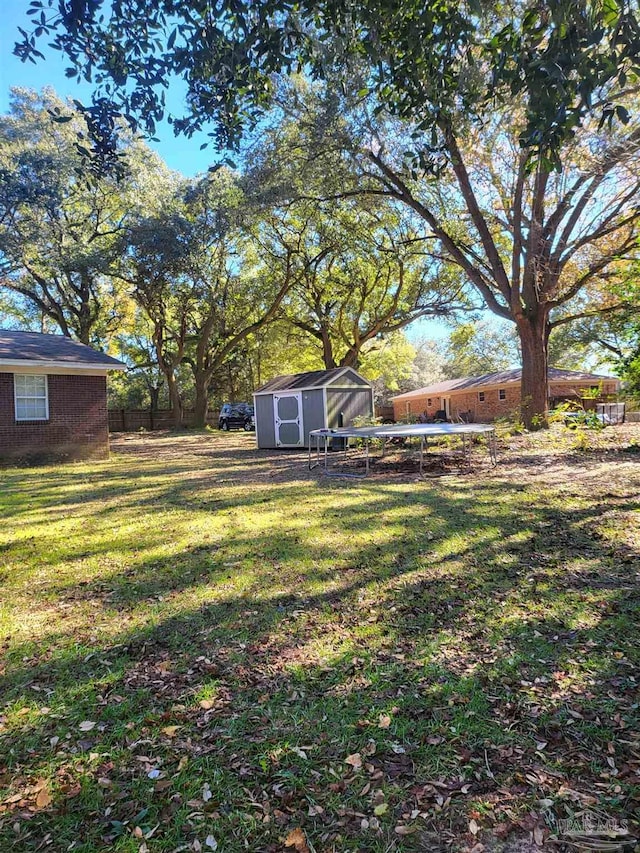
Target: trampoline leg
315,464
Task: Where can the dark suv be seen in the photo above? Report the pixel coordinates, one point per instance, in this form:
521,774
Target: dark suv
236,416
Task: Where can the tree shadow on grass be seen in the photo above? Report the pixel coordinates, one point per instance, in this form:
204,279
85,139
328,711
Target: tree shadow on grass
262,719
493,635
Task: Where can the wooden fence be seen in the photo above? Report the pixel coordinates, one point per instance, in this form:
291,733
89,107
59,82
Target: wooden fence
132,420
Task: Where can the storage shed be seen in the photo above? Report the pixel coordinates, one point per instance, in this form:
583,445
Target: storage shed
288,407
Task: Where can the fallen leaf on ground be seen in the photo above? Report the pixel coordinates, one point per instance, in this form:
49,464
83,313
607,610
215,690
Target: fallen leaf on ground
297,840
355,760
170,731
44,798
86,725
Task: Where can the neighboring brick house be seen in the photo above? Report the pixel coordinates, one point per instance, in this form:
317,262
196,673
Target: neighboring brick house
53,397
484,398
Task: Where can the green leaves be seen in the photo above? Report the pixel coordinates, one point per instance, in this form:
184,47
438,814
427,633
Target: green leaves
60,221
414,63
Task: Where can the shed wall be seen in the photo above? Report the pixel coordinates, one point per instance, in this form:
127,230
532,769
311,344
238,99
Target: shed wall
353,403
350,379
312,411
312,416
265,427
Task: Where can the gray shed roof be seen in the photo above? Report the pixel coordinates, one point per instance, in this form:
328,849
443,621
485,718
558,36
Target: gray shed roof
502,377
311,379
35,349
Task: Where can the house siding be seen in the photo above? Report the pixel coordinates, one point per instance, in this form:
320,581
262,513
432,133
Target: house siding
77,426
468,402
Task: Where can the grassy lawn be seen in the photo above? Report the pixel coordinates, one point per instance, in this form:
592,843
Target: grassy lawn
206,647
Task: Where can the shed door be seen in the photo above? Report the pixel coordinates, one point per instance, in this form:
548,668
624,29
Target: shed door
287,410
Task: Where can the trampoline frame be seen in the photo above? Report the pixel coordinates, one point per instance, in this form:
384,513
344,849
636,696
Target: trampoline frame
322,438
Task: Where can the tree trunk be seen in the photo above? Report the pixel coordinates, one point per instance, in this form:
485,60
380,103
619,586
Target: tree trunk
327,351
351,358
534,336
154,396
202,401
174,398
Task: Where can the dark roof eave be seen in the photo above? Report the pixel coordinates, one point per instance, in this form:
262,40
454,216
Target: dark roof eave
34,349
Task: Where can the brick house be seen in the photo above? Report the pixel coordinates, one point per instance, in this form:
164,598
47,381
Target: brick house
53,397
484,398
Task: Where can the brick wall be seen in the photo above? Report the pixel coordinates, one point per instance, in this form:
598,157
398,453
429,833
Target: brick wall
492,406
417,405
77,425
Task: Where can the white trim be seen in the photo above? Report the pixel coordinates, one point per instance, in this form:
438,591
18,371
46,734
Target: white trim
325,408
299,420
15,399
255,420
57,365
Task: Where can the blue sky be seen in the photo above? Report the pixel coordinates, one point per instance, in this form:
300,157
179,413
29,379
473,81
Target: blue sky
179,153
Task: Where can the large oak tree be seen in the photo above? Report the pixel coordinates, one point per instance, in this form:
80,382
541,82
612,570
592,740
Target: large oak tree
443,68
59,227
530,236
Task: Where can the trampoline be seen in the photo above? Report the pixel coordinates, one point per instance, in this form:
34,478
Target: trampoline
320,441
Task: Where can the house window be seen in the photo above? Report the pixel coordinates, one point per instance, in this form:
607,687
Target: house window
429,401
502,394
31,397
481,396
